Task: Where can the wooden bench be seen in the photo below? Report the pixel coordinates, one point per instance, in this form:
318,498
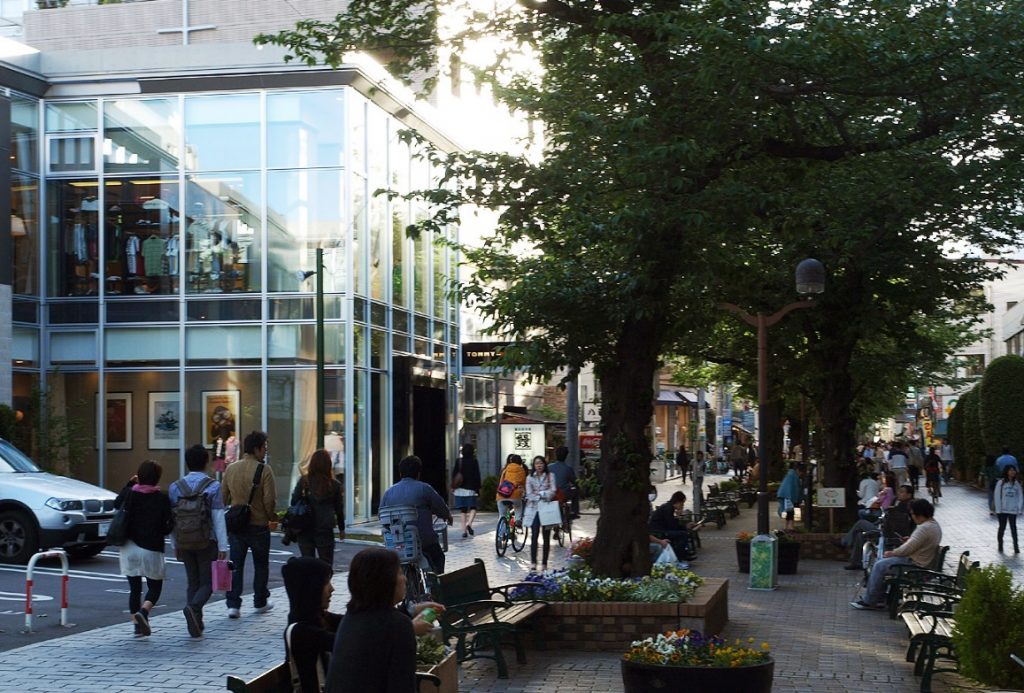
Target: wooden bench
931,640
478,620
279,680
935,591
910,575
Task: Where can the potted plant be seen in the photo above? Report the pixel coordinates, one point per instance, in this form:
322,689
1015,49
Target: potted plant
434,658
743,551
688,660
579,552
789,552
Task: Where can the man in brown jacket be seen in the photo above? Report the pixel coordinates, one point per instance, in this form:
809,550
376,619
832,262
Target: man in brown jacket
236,487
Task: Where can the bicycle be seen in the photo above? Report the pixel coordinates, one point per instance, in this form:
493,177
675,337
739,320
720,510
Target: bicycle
934,484
565,529
509,530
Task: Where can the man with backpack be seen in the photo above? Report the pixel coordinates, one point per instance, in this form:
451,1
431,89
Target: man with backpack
200,535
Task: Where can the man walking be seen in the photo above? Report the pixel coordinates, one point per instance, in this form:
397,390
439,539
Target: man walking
565,481
919,550
683,462
251,477
200,535
411,491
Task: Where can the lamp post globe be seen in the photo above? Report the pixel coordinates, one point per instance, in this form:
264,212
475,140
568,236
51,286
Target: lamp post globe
810,277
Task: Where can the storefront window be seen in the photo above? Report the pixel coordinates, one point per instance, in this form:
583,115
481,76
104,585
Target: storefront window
222,233
24,134
141,135
74,239
220,403
291,425
222,132
305,211
72,116
142,237
25,234
73,418
143,422
305,129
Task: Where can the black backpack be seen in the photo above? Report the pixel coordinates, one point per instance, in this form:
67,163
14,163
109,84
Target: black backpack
193,516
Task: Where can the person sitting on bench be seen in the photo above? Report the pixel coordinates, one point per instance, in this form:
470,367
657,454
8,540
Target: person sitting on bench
665,523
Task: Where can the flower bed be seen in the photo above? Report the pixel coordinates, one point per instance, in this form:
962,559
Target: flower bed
666,583
687,647
687,660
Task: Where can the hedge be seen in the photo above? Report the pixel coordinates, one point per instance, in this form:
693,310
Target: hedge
1000,413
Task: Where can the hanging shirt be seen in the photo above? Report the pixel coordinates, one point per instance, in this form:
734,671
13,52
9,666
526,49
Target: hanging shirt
131,251
153,255
78,248
172,255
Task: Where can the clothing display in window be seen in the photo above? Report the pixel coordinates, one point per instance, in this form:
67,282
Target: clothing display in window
153,255
172,252
132,251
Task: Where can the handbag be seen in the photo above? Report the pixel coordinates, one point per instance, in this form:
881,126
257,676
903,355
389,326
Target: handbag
117,533
506,489
237,516
220,573
549,512
299,517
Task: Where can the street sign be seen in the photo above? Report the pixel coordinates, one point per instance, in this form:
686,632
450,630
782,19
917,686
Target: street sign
831,497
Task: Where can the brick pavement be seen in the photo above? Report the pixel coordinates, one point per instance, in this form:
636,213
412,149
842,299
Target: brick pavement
820,644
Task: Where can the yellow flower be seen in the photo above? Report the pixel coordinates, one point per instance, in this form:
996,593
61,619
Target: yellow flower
764,646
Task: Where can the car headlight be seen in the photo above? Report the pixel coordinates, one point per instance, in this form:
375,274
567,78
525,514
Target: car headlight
63,504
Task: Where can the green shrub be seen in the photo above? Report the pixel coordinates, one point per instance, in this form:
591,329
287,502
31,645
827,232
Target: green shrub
7,420
728,486
1002,391
973,448
955,433
989,627
488,491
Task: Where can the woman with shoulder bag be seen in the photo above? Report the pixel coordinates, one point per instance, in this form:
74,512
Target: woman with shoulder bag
512,485
325,502
149,520
540,486
466,485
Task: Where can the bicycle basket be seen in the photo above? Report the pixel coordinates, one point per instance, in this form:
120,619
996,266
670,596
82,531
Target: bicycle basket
405,540
399,515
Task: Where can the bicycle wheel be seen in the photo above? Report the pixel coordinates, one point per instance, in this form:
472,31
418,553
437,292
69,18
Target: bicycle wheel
415,586
557,531
501,536
518,537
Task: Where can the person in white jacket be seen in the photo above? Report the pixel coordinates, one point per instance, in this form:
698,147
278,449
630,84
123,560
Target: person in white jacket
1009,502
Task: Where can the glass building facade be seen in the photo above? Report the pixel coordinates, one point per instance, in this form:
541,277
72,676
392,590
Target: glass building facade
161,250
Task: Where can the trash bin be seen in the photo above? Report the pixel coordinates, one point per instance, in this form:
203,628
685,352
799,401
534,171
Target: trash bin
764,562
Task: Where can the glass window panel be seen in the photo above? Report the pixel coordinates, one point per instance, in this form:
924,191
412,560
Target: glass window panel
378,348
421,347
440,279
25,234
25,311
24,134
305,308
25,347
359,308
291,426
400,320
401,260
378,315
360,457
359,345
142,236
400,343
223,345
422,326
72,154
305,211
156,346
377,149
141,135
72,347
222,233
296,344
421,274
222,132
142,311
359,249
154,427
73,249
73,399
240,393
357,130
72,116
225,310
305,129
74,313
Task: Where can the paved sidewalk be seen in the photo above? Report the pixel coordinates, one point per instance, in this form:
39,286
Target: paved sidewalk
820,644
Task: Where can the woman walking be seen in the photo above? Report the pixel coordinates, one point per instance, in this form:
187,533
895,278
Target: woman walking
1009,503
324,496
540,486
466,482
790,495
142,556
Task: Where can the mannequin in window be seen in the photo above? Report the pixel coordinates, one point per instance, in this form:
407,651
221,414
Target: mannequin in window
219,452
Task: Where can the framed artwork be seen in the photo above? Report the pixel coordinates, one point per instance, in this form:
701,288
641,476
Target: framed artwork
118,418
220,414
164,422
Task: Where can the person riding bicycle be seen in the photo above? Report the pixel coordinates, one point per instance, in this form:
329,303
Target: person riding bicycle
565,481
411,491
511,493
933,472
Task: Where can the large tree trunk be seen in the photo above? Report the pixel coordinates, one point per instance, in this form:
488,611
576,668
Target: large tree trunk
627,397
770,431
839,436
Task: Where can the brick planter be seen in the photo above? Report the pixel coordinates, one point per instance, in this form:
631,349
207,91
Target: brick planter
612,626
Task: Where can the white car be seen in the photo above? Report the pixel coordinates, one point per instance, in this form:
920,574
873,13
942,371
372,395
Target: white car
39,510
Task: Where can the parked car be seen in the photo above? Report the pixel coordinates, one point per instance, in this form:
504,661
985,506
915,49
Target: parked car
39,510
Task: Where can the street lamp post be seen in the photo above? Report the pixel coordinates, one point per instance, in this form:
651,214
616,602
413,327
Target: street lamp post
810,280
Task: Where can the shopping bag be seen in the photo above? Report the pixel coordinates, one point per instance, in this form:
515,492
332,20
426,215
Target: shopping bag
221,572
667,555
549,513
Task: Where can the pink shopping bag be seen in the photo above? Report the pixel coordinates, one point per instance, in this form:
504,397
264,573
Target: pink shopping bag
221,576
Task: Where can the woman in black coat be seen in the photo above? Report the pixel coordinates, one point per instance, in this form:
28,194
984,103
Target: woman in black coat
466,485
309,637
326,499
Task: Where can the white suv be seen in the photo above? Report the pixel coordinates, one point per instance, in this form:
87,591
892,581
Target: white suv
39,510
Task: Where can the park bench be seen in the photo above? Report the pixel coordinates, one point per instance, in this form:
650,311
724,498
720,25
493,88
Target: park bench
279,680
478,620
904,576
933,591
931,641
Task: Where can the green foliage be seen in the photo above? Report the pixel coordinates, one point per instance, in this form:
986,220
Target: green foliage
728,485
973,451
955,435
487,500
1002,392
429,650
59,440
7,421
549,413
989,627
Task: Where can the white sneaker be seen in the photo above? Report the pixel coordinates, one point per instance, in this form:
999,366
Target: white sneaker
234,613
263,609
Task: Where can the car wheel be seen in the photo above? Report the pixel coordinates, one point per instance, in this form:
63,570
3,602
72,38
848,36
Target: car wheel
90,551
19,538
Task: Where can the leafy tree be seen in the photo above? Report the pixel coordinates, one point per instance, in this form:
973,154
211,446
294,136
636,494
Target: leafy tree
1002,391
685,140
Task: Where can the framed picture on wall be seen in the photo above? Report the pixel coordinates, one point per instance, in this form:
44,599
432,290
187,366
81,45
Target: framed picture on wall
164,422
220,414
119,420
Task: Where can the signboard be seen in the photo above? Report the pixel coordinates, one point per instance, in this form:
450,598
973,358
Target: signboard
479,354
590,444
590,412
831,497
525,440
